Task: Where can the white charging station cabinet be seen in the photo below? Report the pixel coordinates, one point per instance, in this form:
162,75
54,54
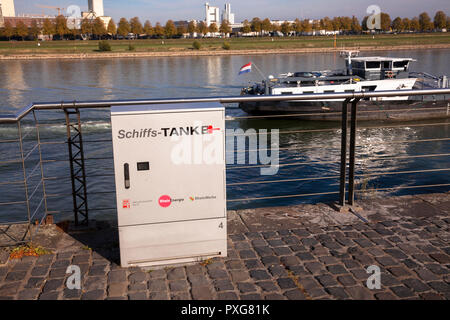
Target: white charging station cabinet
169,163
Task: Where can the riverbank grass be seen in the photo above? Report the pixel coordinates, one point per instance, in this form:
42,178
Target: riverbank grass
213,44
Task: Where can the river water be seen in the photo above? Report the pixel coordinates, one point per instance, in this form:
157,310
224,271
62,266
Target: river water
22,82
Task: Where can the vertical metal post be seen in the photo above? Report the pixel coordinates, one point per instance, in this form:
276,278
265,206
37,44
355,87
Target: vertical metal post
25,182
44,193
343,152
78,175
351,170
72,176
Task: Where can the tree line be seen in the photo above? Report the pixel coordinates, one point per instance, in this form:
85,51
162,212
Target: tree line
422,23
96,29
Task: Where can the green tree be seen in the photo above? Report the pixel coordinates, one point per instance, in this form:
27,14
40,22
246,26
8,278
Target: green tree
364,23
326,24
316,25
181,30
266,25
202,28
440,20
8,30
48,28
225,27
355,26
406,24
256,25
35,30
286,28
397,24
21,30
112,29
276,27
86,26
98,28
448,23
124,27
337,25
73,33
346,23
385,22
136,26
159,30
213,28
192,27
307,27
148,29
297,26
246,27
425,22
61,26
415,24
170,30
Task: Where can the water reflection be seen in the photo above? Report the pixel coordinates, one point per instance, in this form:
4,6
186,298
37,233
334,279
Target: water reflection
13,82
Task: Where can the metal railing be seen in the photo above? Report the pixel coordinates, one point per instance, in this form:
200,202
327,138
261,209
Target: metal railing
38,189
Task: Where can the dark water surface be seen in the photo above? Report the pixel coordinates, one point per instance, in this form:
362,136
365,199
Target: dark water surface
22,82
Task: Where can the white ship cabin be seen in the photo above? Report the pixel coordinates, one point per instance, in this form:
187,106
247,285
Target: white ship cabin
378,68
362,74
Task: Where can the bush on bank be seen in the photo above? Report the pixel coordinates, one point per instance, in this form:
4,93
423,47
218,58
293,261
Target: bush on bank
196,45
104,46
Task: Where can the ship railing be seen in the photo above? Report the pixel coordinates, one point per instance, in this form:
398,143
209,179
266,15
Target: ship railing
50,159
424,74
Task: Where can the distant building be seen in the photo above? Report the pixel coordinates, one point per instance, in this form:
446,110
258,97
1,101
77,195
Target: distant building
96,6
212,15
2,21
7,8
27,20
227,15
280,22
96,10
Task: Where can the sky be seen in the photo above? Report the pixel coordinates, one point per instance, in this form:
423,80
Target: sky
161,11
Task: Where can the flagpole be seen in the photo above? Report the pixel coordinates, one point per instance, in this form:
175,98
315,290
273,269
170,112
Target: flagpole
257,69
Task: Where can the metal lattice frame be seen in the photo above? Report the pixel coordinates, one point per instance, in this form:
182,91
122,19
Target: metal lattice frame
77,167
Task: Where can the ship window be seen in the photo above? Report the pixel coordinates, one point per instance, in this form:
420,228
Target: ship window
400,64
286,92
386,65
357,65
373,64
308,92
350,90
328,91
369,88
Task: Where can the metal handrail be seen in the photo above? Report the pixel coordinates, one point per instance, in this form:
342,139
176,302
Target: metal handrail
233,99
71,107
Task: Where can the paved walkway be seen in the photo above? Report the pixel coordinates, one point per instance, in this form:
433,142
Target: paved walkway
301,252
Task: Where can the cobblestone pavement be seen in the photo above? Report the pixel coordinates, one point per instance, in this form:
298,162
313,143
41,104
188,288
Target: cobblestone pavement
305,260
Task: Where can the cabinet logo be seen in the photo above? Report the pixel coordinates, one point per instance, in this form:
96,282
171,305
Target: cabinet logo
197,198
165,201
126,204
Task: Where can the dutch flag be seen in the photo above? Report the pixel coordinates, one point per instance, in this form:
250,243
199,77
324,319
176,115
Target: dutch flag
246,68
